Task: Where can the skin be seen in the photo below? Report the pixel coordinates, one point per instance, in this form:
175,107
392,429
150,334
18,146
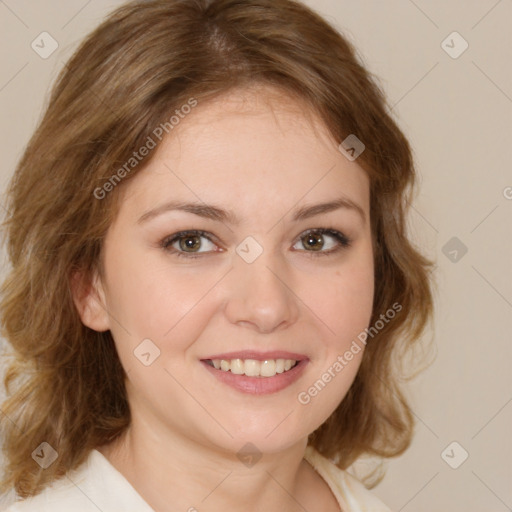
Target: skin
261,155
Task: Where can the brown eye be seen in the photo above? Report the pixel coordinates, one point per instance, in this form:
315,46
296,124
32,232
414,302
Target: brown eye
322,241
313,241
189,243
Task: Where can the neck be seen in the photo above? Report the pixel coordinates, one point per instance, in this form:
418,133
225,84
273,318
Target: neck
178,474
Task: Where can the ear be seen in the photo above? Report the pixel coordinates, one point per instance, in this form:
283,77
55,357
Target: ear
89,298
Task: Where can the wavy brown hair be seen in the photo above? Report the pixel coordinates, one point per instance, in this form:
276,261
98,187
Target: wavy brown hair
146,60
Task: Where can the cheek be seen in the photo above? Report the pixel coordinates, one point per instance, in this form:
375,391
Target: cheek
149,300
346,301
345,307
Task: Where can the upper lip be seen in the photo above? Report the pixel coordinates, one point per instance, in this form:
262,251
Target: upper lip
257,355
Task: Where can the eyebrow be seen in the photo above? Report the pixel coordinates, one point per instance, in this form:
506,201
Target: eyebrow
219,214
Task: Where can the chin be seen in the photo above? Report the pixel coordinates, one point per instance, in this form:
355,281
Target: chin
269,435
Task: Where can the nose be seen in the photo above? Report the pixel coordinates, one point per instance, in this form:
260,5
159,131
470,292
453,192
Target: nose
259,295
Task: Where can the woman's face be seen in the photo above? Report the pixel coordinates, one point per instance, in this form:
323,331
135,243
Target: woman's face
254,282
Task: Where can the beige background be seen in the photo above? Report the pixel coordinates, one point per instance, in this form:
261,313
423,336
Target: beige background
457,113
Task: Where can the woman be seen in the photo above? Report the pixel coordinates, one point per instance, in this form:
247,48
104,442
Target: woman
211,279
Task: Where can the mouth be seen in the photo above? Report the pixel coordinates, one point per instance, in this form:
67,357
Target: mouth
257,373
253,367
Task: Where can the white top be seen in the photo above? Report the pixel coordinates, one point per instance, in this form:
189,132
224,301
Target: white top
97,486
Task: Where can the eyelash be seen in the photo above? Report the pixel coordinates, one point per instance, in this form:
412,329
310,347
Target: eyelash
343,240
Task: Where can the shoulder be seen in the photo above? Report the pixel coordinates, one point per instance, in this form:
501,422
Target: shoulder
347,488
94,485
57,497
62,495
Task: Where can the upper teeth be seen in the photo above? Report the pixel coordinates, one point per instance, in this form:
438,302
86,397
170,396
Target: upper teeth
254,368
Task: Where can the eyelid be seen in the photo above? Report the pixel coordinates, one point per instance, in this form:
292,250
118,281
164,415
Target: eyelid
343,240
169,240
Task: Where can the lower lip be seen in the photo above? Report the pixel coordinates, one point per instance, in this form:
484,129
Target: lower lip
259,385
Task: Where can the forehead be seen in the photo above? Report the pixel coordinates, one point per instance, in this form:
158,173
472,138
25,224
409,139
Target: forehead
259,147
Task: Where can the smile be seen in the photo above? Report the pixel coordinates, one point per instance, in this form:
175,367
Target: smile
256,373
253,367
